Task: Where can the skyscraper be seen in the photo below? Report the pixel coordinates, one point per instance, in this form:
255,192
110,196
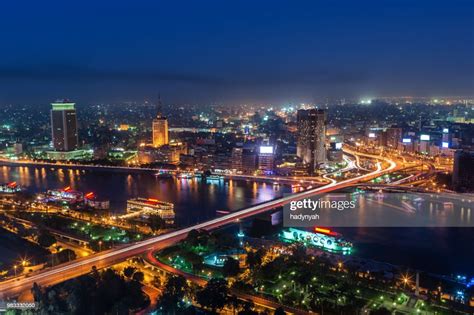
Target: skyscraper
394,137
463,171
249,160
266,158
64,126
160,128
312,137
237,158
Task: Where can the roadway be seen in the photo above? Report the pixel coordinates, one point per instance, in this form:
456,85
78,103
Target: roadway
57,274
9,162
350,165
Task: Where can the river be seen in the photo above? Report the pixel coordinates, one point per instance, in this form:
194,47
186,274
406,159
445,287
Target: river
439,250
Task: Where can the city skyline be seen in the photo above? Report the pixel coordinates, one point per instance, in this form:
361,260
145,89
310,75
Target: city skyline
212,53
237,157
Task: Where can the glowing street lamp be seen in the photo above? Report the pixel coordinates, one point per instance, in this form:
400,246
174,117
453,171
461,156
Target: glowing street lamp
406,279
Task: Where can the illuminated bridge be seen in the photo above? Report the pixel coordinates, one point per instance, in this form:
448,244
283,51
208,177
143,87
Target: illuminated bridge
57,274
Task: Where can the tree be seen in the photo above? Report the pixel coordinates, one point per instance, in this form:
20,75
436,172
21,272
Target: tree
381,311
197,238
195,259
235,303
155,222
65,255
299,253
37,292
231,267
224,241
214,295
193,237
90,295
176,288
280,311
129,271
254,259
138,276
46,239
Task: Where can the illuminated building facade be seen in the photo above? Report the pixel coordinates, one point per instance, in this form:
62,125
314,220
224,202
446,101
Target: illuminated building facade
64,126
168,154
249,160
334,151
160,131
10,188
311,147
237,159
322,238
160,128
91,200
65,196
147,206
266,158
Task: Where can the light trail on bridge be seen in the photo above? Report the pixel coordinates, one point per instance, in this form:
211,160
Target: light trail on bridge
13,287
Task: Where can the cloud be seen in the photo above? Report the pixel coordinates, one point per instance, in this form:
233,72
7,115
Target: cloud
256,77
82,73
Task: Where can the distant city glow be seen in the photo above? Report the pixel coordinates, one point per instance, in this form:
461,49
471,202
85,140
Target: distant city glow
406,140
371,135
425,137
445,145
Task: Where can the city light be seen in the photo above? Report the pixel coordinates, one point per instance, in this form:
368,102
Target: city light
239,167
266,149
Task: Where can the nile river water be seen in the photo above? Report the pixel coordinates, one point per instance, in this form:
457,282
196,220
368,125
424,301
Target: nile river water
439,250
195,200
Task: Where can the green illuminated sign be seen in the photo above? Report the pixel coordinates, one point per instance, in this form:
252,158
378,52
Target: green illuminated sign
63,106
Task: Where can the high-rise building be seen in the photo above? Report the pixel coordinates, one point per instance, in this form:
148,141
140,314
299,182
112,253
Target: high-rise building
335,153
160,128
64,126
249,160
394,137
266,158
312,137
237,158
446,139
463,171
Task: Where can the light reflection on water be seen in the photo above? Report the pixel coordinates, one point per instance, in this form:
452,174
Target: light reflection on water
441,250
195,199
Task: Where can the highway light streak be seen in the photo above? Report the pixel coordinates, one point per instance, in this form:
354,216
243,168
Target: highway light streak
14,286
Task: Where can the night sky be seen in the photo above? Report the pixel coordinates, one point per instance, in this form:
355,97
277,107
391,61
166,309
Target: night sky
234,51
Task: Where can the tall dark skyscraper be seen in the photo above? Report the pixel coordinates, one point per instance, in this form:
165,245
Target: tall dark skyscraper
160,127
394,137
311,146
64,126
463,171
